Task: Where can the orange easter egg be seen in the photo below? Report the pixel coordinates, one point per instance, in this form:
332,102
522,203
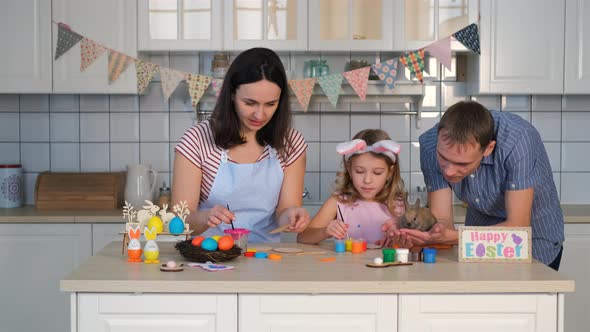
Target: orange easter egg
197,241
225,242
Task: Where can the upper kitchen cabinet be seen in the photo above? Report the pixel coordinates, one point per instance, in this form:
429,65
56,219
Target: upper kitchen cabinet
276,24
522,48
350,25
112,23
25,33
422,22
577,47
180,25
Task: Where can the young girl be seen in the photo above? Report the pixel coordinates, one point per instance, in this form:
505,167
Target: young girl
370,193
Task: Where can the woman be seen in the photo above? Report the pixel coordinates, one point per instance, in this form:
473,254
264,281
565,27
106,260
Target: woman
246,158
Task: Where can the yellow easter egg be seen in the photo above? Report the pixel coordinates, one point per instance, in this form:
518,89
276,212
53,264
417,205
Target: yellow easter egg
216,237
156,222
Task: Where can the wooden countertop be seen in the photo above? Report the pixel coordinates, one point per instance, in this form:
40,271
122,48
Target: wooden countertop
574,214
110,272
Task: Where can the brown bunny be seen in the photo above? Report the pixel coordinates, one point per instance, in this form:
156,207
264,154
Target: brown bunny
417,217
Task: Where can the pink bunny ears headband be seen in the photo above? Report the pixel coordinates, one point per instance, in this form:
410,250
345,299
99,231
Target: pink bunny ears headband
358,146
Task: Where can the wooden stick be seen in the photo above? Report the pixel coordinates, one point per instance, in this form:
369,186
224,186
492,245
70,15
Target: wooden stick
387,264
310,253
279,229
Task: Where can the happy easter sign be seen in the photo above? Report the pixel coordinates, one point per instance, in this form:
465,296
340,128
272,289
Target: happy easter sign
495,244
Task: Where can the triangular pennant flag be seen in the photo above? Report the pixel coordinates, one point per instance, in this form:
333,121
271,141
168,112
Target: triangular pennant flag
387,72
358,79
331,85
89,52
415,62
303,89
145,73
469,37
197,84
216,86
118,62
170,79
66,39
441,50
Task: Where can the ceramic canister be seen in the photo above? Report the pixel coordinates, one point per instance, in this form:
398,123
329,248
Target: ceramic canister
11,186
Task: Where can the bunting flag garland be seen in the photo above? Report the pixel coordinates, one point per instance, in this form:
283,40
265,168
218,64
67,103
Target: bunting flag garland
66,39
170,80
145,73
469,37
387,72
441,50
118,62
216,86
89,52
197,84
331,85
303,90
415,62
358,80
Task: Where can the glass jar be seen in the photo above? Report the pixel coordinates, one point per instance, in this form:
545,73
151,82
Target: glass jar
219,65
164,197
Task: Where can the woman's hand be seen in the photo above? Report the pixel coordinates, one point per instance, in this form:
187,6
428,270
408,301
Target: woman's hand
297,218
219,214
337,229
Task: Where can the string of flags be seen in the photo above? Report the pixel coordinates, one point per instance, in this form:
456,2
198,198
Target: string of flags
91,50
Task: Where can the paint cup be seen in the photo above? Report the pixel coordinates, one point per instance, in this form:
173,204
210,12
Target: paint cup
429,255
339,245
364,244
240,236
388,255
402,254
416,254
357,247
348,244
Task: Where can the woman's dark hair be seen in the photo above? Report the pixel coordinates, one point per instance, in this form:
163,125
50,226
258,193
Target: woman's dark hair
250,66
466,121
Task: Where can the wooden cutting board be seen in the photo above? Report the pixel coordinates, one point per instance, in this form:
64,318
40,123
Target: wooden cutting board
79,191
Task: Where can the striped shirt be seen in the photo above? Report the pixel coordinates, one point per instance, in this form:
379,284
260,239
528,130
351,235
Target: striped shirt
198,145
518,161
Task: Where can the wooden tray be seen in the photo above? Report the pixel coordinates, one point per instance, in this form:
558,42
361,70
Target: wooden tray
79,191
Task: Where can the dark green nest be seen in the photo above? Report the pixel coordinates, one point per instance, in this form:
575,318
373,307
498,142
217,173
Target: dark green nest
200,255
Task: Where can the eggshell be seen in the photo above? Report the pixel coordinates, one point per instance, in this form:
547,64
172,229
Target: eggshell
176,226
216,237
378,260
225,242
171,264
156,222
197,240
209,244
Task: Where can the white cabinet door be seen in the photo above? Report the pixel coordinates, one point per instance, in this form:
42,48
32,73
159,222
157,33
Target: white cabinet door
103,234
341,313
157,312
575,264
25,34
351,25
521,53
109,22
577,47
181,25
478,312
421,22
33,259
275,24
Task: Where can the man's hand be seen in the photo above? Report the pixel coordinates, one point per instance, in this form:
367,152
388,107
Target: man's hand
439,233
394,236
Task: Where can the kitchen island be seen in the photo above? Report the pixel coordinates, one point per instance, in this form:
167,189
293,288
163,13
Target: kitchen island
302,293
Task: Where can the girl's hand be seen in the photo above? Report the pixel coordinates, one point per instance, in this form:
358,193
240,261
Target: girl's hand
219,214
337,229
298,218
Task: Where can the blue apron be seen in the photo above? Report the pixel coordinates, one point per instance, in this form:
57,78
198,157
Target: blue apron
252,192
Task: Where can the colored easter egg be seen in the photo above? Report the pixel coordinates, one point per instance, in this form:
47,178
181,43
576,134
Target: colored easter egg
225,242
156,222
197,240
209,244
480,250
216,237
176,226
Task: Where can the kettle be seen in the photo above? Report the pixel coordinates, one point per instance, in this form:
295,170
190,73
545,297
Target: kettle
140,185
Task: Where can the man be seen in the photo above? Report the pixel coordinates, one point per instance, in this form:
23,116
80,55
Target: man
497,164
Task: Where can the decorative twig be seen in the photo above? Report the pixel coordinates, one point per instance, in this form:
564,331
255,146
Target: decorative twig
128,212
182,210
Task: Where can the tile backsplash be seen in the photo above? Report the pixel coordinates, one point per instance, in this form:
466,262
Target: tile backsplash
95,133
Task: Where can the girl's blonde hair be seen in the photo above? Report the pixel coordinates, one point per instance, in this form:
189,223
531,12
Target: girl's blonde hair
392,190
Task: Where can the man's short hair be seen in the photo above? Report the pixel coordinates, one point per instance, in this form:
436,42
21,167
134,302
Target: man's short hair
466,121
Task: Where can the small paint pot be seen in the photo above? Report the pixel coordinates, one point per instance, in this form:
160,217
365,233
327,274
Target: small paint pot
339,245
402,254
261,254
388,255
429,255
249,253
240,236
364,244
357,247
348,244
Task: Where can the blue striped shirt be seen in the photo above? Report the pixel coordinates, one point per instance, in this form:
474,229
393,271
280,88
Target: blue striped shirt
518,161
